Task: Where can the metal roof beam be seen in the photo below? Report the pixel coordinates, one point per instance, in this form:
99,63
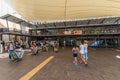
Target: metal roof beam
45,25
64,24
5,16
36,26
54,24
20,22
117,20
76,23
102,21
88,22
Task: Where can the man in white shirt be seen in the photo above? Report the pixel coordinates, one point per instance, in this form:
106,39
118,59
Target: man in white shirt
64,44
83,52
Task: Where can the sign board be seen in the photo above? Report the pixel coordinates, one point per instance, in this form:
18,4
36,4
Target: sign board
77,32
67,32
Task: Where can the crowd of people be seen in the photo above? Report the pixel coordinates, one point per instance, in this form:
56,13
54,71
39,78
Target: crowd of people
16,49
44,46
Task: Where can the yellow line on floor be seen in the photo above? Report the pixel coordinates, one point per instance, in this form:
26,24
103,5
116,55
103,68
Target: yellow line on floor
36,69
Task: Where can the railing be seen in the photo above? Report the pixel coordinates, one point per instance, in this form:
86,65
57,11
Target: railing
15,32
92,32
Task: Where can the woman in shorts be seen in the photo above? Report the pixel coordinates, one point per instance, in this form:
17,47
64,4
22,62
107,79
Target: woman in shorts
75,51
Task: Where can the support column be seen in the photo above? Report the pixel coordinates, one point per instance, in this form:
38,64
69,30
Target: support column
36,32
105,41
29,30
119,41
0,37
113,45
15,38
21,37
8,28
98,41
20,28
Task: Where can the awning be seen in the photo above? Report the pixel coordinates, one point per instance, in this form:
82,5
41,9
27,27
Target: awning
2,26
16,20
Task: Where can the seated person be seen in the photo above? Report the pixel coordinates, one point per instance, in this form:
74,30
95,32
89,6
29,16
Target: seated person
19,50
34,49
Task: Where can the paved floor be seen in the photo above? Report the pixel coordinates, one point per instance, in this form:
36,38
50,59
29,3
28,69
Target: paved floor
103,65
4,55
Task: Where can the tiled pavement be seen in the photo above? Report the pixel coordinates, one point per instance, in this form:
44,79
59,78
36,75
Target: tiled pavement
103,65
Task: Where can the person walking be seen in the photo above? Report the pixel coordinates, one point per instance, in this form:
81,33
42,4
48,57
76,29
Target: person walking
64,44
82,52
86,51
56,46
75,51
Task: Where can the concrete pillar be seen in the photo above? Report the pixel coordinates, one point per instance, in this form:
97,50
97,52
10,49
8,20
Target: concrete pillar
119,41
8,28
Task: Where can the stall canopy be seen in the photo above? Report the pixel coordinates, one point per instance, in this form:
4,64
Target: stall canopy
16,20
47,10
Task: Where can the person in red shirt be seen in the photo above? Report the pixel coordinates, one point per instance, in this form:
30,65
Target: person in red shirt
34,48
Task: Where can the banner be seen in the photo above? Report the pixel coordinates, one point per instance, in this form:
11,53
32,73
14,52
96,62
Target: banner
77,32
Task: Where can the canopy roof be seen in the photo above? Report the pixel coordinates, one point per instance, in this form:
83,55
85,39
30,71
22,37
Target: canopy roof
47,10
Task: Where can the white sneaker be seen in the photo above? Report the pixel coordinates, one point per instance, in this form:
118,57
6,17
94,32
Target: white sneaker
73,62
76,63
